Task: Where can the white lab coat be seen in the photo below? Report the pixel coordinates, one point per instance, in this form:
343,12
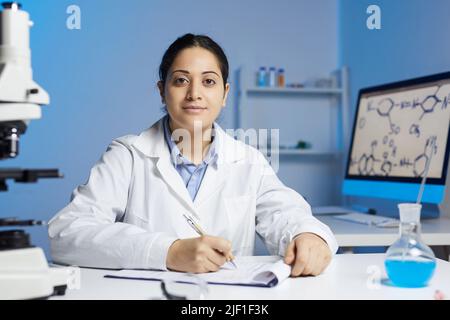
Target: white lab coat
131,208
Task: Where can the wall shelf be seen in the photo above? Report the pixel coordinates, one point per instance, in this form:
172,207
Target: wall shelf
339,93
305,90
265,107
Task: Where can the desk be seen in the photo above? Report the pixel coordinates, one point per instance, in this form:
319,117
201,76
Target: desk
347,277
435,232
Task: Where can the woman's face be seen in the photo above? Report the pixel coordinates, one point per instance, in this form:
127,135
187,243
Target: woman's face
194,89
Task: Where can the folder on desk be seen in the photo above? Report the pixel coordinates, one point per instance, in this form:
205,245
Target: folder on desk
254,274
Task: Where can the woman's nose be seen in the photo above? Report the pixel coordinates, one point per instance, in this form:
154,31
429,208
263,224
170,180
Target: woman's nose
194,91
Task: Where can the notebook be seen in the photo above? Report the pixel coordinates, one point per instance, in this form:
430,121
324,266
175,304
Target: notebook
249,273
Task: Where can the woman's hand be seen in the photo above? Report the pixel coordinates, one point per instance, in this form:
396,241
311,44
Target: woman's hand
198,255
308,254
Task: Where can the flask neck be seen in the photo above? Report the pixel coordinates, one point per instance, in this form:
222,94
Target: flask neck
410,229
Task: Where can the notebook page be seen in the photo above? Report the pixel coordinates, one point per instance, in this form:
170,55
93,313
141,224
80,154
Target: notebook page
248,272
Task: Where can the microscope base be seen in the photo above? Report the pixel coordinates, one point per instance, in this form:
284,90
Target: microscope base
25,274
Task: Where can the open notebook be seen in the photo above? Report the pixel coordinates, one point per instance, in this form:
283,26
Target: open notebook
248,273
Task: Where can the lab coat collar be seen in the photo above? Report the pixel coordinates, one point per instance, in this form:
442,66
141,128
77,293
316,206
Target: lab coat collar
151,143
175,153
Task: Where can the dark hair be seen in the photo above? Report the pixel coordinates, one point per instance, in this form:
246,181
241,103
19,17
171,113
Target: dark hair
190,40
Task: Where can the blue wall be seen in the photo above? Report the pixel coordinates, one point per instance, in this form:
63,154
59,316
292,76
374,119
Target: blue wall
412,42
102,78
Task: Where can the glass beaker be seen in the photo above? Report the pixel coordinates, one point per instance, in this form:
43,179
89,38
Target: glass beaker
409,262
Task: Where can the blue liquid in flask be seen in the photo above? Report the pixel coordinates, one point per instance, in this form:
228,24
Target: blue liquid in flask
409,274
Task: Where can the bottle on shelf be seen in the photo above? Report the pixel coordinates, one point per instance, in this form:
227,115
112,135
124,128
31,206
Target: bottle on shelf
281,81
261,77
272,77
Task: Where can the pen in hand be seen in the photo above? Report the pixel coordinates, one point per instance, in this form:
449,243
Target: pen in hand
200,231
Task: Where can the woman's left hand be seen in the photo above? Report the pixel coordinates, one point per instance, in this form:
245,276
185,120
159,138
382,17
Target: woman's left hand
308,254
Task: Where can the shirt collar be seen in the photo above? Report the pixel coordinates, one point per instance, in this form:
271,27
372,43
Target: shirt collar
175,154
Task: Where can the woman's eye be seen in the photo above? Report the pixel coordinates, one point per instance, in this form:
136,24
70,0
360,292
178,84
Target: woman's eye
180,81
210,82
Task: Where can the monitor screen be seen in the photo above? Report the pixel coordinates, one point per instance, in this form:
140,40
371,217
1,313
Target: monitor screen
400,129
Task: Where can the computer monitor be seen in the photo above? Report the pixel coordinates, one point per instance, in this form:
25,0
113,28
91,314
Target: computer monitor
395,125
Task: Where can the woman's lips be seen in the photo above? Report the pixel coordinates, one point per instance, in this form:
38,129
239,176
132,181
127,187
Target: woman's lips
194,109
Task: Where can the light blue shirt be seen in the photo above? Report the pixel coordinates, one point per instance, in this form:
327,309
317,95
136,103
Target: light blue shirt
191,174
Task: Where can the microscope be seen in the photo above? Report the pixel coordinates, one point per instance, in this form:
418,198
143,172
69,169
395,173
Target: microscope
24,272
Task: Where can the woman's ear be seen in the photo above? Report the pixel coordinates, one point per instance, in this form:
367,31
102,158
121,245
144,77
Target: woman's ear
225,95
161,91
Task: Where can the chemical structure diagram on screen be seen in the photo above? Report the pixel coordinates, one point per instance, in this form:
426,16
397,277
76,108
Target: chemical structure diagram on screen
427,105
396,121
367,163
421,160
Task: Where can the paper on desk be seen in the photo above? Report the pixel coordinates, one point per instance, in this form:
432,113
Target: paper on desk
248,273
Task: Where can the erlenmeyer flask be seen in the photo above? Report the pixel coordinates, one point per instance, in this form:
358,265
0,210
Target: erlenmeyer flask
410,262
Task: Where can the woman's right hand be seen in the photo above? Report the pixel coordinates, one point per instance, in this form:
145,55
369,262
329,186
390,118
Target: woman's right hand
198,255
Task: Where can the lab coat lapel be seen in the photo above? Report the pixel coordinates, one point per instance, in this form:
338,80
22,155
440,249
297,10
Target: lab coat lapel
213,179
175,182
216,174
152,143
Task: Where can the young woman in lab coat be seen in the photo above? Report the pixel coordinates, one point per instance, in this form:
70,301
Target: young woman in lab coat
131,213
